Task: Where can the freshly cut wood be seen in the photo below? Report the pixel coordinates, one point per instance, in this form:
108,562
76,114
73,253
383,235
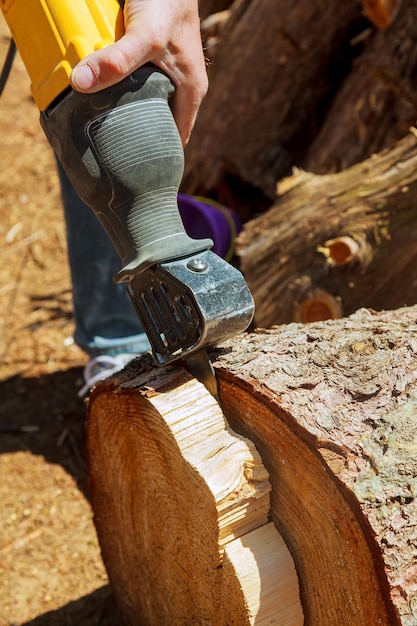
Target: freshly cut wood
264,568
332,244
181,507
331,409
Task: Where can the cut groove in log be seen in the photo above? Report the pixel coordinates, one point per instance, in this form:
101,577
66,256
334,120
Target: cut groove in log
331,409
265,550
229,464
179,502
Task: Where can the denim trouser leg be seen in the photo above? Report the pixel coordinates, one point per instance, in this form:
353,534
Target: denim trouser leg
105,320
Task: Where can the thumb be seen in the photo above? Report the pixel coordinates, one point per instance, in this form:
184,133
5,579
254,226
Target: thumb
107,66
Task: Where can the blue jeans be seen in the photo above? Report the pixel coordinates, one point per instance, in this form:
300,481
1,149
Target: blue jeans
105,320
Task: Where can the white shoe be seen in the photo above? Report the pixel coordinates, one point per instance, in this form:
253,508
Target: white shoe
101,367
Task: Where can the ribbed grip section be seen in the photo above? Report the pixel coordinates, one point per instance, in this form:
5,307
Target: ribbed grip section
139,147
121,149
152,216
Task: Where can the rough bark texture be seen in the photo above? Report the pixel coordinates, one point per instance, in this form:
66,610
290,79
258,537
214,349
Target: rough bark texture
330,407
270,74
377,102
334,243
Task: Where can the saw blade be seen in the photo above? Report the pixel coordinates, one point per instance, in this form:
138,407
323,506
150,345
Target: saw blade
201,367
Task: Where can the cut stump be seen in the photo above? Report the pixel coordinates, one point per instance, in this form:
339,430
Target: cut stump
181,507
330,407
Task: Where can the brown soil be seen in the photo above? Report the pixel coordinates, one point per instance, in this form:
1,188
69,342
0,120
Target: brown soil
51,572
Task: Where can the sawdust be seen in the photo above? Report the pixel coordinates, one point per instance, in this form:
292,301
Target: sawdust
51,571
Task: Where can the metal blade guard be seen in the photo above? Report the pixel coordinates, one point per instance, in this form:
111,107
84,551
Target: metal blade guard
190,303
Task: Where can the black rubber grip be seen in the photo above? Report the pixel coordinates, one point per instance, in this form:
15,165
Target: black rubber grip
122,152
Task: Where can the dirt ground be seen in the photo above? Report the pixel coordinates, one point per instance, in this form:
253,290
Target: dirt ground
51,572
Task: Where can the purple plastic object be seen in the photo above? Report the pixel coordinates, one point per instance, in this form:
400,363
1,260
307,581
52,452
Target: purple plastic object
205,218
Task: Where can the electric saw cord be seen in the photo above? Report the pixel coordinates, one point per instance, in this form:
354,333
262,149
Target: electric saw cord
11,53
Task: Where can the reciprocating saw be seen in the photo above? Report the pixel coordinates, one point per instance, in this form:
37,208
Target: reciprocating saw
122,152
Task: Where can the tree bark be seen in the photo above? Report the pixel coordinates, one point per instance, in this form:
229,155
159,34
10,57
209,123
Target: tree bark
376,104
271,72
334,243
308,84
330,407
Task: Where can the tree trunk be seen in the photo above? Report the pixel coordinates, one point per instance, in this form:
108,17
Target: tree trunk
330,408
377,102
307,84
181,507
271,72
332,244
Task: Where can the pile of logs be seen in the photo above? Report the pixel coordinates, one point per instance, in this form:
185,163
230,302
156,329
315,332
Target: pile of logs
333,243
301,99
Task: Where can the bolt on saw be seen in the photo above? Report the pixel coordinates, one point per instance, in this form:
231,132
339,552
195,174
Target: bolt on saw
122,152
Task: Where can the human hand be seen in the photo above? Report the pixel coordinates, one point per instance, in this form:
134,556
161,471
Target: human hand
166,33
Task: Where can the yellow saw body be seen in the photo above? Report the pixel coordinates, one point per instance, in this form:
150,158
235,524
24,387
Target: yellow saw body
52,36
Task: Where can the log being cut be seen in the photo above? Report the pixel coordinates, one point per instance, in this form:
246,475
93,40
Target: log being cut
186,522
181,506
